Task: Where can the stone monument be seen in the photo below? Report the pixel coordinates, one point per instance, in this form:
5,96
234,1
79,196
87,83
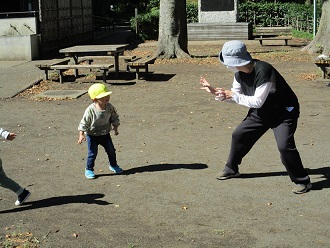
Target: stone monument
217,20
217,11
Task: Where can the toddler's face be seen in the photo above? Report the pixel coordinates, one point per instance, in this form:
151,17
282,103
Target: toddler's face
103,100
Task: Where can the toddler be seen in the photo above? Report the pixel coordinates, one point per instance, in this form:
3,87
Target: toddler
97,122
6,182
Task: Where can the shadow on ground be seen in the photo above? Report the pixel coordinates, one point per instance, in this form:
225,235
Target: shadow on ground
323,172
124,78
59,200
160,167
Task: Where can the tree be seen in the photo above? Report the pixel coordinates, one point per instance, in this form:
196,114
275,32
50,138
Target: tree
322,37
173,35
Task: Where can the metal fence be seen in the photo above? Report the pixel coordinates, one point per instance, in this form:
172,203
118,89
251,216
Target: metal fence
305,25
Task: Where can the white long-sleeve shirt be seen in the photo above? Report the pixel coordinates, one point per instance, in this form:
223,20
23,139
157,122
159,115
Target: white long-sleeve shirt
255,101
4,134
98,122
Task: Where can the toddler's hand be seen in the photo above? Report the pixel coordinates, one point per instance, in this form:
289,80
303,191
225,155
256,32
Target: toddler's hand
81,139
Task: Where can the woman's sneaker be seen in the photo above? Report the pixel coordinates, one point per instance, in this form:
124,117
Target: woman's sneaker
116,169
301,188
22,197
226,175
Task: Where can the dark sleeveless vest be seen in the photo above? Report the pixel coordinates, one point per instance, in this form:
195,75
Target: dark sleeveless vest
276,103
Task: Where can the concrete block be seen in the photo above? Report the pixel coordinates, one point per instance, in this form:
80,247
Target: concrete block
23,47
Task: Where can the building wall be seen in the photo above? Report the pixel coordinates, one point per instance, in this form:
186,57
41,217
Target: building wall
64,23
18,26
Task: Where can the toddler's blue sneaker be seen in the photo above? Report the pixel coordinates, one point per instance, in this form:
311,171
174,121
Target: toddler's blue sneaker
116,169
89,174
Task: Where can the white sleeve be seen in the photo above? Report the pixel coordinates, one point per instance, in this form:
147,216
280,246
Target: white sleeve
255,101
236,87
3,133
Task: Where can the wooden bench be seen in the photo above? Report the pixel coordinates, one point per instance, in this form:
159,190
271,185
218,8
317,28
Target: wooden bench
323,64
62,68
273,33
90,59
46,66
220,31
141,63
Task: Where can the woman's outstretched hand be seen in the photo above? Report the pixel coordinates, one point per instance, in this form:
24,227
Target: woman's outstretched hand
206,86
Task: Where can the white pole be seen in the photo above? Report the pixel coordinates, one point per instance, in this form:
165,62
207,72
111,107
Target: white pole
315,18
136,22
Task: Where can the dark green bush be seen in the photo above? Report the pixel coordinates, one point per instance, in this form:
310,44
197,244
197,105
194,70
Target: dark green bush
261,13
148,24
266,14
192,12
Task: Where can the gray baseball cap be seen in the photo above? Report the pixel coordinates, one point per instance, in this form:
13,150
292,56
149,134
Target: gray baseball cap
234,53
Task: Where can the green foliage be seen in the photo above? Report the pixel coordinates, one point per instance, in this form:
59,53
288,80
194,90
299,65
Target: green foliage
149,21
301,34
261,12
148,24
192,12
264,14
153,4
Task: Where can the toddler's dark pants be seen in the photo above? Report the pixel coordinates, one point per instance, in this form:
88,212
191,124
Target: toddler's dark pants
93,142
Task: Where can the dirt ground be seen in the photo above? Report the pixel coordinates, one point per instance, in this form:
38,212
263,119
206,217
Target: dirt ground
173,140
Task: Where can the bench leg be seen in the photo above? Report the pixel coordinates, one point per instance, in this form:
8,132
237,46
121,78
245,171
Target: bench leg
105,75
127,66
286,42
60,72
260,41
116,65
137,73
76,62
324,70
46,72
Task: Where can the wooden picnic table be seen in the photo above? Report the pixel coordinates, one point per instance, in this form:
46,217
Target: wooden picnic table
84,50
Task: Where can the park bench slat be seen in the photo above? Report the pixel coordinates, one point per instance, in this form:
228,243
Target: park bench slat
141,63
62,68
82,66
90,59
273,33
46,66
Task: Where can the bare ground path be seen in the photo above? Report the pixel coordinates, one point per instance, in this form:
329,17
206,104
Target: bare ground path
173,140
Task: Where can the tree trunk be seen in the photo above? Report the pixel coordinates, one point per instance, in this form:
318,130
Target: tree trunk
173,36
321,43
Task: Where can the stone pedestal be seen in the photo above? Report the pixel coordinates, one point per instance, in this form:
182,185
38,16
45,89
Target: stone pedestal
217,11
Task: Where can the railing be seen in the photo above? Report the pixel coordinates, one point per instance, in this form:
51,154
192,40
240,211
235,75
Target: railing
305,25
